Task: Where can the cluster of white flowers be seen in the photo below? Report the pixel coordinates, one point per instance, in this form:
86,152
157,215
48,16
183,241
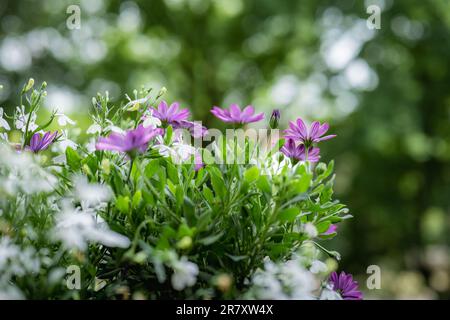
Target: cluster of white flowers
3,123
20,173
177,149
96,128
21,119
184,273
288,280
15,262
91,195
75,228
150,120
329,294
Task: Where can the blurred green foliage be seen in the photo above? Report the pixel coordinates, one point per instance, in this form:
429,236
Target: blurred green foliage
385,93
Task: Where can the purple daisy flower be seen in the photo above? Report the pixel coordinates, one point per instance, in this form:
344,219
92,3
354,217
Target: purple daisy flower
345,286
195,128
299,132
291,150
170,115
130,141
39,143
236,115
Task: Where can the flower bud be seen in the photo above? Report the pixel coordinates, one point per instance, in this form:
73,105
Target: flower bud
184,243
162,92
106,166
29,85
140,257
134,107
321,168
224,282
274,119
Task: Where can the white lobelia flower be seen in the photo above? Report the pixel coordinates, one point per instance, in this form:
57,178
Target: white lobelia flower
17,261
300,281
11,293
179,152
60,159
64,142
113,128
94,129
287,280
19,172
76,228
92,194
63,120
90,145
265,284
150,120
184,275
3,123
310,230
4,136
318,266
22,119
8,251
329,294
133,105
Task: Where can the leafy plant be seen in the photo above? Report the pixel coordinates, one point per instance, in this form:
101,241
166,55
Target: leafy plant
146,213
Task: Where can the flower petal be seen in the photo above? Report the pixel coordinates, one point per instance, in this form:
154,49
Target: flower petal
301,128
235,112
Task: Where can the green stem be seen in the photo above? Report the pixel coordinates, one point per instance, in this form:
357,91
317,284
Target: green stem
33,106
129,171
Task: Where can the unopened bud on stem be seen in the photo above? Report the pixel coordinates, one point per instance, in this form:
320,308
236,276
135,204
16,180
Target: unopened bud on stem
29,85
274,119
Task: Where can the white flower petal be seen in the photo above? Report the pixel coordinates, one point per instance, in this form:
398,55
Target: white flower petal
94,129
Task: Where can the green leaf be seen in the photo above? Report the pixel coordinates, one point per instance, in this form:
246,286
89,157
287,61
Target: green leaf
151,168
328,236
264,184
236,258
184,230
211,239
179,195
323,226
302,184
207,193
136,199
217,183
148,198
251,174
288,215
199,179
92,162
73,159
172,173
326,193
168,138
324,174
123,204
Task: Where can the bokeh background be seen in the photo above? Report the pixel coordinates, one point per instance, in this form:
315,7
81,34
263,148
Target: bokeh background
385,92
